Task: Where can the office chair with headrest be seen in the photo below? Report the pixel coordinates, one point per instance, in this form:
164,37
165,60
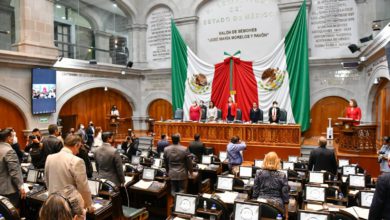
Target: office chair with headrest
283,116
8,210
237,182
209,150
342,216
125,159
261,118
219,114
179,114
238,115
269,210
204,115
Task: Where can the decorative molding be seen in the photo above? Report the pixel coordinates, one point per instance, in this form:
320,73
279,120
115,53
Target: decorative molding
102,33
288,5
137,27
186,20
26,59
319,62
377,44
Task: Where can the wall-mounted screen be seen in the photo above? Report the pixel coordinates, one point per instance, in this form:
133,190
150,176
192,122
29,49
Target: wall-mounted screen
43,95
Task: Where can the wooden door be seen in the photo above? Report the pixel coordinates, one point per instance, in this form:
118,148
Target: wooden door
68,122
160,108
328,107
95,105
12,117
381,110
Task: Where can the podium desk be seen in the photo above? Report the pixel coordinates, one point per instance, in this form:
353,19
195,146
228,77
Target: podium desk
155,198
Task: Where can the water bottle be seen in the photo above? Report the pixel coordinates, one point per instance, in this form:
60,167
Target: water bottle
204,205
213,208
341,196
2,217
110,190
335,194
279,217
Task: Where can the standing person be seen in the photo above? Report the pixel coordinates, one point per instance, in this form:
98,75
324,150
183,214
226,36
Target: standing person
81,131
384,154
197,147
234,149
83,154
97,139
322,158
178,165
15,145
380,205
255,114
230,109
162,144
114,111
195,112
212,112
109,162
11,184
64,168
90,134
274,113
202,105
51,144
271,184
34,148
354,112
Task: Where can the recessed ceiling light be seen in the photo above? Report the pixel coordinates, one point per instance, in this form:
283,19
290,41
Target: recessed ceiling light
114,5
63,17
58,6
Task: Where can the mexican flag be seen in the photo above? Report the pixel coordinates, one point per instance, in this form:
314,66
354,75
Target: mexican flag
282,76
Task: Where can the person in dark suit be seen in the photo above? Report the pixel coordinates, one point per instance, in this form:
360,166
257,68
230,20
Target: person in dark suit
197,147
274,113
108,161
380,205
51,144
322,158
90,134
255,114
162,144
178,165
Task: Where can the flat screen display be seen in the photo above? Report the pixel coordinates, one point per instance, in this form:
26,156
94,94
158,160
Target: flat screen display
222,156
316,177
315,193
148,174
357,181
206,159
245,172
157,163
293,159
185,204
288,165
94,187
43,95
259,163
312,216
32,176
245,211
135,160
366,198
343,162
225,183
347,170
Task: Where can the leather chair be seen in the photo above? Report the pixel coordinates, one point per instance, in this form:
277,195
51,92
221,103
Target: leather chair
8,210
261,118
179,114
270,211
238,115
219,114
342,216
283,116
204,115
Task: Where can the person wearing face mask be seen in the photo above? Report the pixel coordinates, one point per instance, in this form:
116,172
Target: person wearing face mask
90,134
11,184
83,133
274,113
15,145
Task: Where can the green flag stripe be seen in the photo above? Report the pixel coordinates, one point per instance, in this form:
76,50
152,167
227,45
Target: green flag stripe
179,67
298,68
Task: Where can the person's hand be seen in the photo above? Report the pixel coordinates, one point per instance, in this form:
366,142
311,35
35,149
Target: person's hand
35,140
22,192
91,209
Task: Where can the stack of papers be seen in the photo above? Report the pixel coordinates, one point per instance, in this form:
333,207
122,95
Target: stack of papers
143,184
314,207
358,212
227,197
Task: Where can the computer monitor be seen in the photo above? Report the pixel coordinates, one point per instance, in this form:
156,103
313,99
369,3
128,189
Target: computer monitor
293,159
148,174
135,160
246,211
358,181
225,183
206,159
32,176
222,156
366,198
288,165
347,170
259,163
185,204
308,215
94,187
343,162
316,177
144,153
245,172
157,162
315,193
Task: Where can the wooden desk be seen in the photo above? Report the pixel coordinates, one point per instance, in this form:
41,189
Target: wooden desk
260,138
155,199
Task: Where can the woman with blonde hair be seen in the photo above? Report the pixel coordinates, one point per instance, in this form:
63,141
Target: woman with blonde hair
271,184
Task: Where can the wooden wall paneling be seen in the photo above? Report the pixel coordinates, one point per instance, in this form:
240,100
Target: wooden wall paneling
12,117
160,108
95,104
381,110
328,107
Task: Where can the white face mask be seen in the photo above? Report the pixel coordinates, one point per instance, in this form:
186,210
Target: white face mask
14,138
82,126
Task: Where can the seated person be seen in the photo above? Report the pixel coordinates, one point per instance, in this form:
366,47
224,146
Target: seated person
255,114
274,113
66,204
272,185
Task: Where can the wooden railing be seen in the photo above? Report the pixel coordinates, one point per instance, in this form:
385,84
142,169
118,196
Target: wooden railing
358,139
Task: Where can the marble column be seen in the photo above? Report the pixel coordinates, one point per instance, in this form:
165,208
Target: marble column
137,36
102,44
187,27
34,25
